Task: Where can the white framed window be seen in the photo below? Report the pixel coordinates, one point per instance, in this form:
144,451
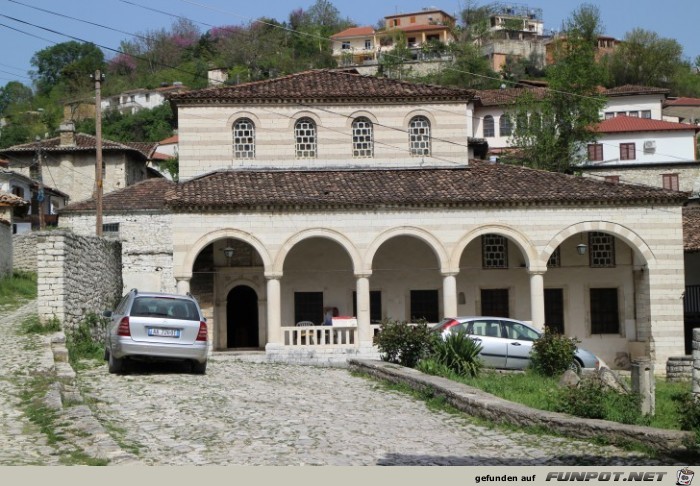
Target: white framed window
505,126
419,136
368,44
345,46
243,139
489,130
305,139
362,138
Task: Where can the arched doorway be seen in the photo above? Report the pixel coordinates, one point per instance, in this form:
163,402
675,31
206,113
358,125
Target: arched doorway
242,318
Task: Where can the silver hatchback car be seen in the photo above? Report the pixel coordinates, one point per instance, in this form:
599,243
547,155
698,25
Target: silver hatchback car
156,326
506,343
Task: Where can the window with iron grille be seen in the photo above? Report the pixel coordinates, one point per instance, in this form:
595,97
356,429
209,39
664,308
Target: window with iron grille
505,126
424,305
494,302
308,306
628,151
670,181
489,129
601,250
419,136
605,318
595,152
305,137
244,139
555,258
494,251
112,228
362,138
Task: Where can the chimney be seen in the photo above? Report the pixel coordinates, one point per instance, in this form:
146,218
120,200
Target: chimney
67,132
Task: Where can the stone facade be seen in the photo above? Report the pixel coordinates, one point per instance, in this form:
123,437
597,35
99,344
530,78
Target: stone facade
24,254
77,275
679,368
5,249
147,251
688,174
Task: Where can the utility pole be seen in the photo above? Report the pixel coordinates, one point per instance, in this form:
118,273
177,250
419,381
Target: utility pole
40,197
98,77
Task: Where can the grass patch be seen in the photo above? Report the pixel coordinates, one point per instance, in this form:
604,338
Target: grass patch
79,458
16,289
86,342
32,325
32,397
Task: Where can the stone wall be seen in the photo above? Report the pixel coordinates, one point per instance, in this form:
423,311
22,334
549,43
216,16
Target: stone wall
5,249
24,253
679,368
76,275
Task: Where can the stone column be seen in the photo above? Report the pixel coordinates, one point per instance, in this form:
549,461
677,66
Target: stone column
643,384
449,294
274,311
183,285
363,315
537,298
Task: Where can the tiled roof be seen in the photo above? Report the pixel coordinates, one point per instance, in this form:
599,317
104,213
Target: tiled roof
324,86
691,228
7,199
682,102
161,156
148,194
631,89
505,96
169,140
354,32
623,123
481,183
420,27
84,142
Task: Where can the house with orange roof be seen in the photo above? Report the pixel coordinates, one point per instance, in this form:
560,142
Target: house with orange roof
682,110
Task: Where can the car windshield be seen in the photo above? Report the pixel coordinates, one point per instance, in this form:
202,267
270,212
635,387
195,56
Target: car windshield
165,307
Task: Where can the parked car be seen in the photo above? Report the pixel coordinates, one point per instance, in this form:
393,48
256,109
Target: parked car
156,326
506,343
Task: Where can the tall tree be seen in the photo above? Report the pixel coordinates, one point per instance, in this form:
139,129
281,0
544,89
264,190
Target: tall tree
67,65
551,133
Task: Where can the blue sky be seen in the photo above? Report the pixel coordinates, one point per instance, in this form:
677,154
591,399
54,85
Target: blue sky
676,19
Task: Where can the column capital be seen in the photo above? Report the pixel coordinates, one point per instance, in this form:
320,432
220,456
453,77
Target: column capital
536,271
363,275
273,275
449,274
183,278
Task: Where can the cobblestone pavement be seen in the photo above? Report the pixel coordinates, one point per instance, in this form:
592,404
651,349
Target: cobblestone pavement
22,358
248,413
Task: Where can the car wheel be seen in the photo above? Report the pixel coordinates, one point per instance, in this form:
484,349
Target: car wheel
199,368
576,367
115,365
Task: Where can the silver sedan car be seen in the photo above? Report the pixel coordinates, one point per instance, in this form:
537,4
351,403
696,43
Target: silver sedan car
156,326
506,343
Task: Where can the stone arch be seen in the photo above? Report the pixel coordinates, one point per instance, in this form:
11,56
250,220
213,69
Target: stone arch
421,234
638,245
419,112
359,114
326,233
185,268
524,244
243,114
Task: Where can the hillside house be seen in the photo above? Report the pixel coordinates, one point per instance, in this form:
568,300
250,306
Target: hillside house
38,198
8,202
330,193
138,99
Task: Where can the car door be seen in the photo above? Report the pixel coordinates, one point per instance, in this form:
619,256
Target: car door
519,341
487,332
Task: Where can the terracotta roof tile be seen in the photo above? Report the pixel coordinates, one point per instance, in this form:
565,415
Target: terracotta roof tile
323,86
683,102
506,96
623,123
84,143
148,194
169,140
479,183
354,32
691,228
7,199
632,89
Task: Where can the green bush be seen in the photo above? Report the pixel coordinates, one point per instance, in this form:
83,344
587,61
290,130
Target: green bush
592,399
459,353
430,366
405,344
553,353
86,341
32,325
689,409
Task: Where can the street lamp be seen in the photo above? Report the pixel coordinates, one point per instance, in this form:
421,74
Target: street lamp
228,252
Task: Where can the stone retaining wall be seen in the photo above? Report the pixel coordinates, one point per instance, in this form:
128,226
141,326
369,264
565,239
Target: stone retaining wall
481,404
76,275
5,249
679,368
24,252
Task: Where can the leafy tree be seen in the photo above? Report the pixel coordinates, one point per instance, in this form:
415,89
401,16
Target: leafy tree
143,126
15,96
475,21
68,65
569,109
392,62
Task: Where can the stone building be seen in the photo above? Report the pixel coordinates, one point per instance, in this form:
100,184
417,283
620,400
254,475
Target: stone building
326,193
7,203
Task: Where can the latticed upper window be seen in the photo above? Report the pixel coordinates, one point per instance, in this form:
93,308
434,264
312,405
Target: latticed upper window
489,130
305,138
555,258
419,136
495,251
362,138
244,139
602,249
505,126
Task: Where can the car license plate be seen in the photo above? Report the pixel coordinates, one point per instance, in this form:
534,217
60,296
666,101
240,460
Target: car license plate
163,332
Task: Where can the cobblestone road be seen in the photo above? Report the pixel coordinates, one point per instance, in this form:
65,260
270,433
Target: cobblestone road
247,413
